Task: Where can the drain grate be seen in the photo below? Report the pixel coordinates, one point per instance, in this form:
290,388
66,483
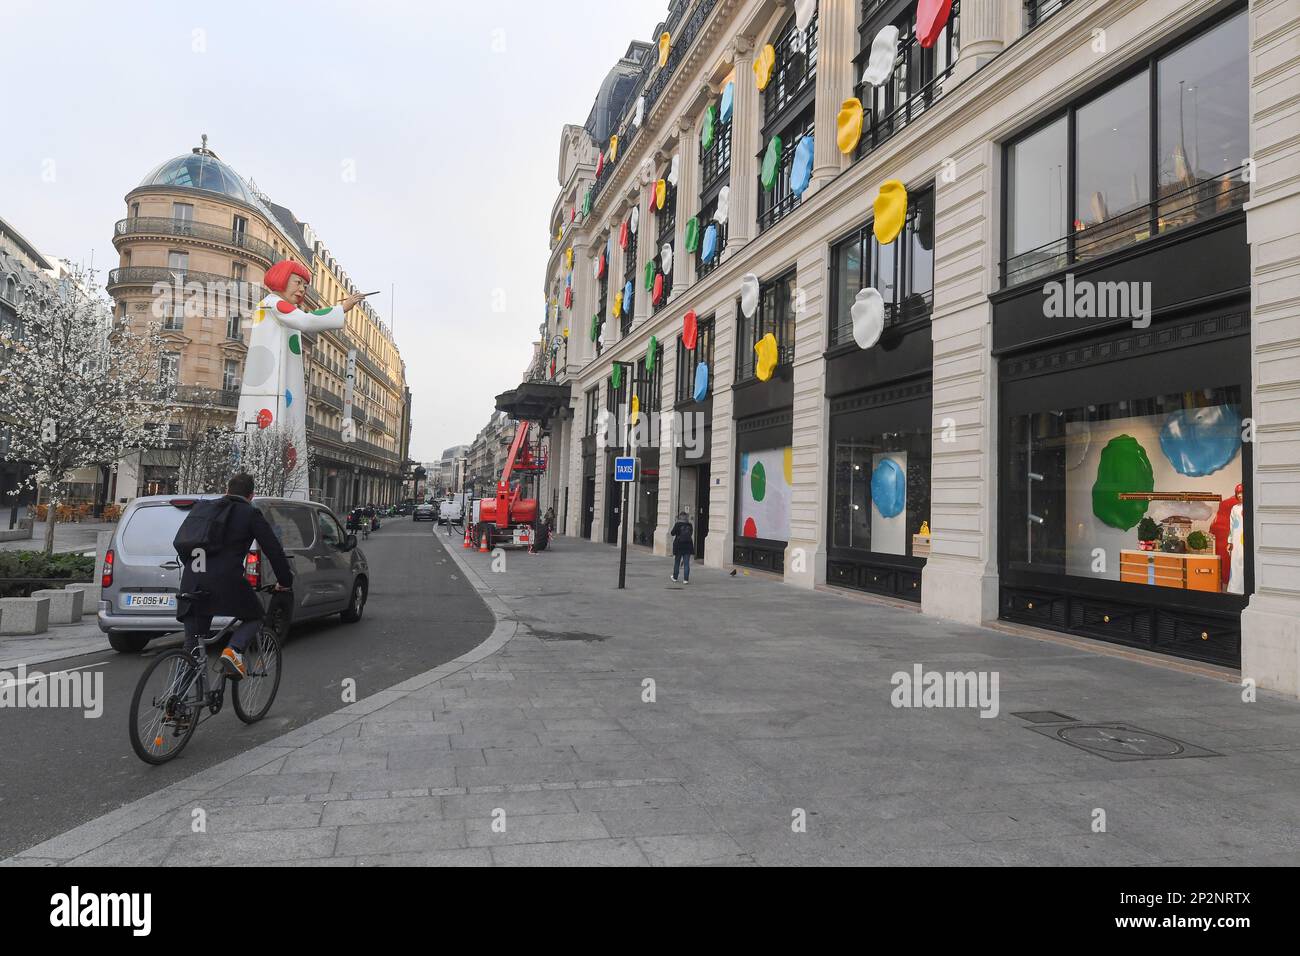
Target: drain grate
1122,742
1045,717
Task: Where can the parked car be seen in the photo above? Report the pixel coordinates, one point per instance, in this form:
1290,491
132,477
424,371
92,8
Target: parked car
425,512
141,574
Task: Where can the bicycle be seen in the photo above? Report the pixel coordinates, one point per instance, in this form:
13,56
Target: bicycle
164,718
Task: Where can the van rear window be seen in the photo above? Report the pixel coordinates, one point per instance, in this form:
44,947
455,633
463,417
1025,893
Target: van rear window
151,530
295,527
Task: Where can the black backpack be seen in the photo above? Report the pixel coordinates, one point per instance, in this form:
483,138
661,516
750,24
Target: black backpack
204,527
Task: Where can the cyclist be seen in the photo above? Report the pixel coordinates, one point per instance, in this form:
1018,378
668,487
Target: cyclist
226,592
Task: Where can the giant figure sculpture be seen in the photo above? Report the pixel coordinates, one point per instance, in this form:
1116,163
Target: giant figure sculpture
273,392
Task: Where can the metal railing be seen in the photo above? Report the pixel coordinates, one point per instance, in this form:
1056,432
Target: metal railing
188,228
222,289
326,396
1178,209
780,201
200,395
715,162
920,78
1036,11
795,70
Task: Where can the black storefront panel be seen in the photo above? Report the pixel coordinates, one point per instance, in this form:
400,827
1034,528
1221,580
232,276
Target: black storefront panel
879,489
764,480
1120,463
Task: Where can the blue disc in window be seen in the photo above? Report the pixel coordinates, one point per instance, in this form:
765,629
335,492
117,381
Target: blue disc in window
801,168
728,98
889,488
709,245
1200,441
627,296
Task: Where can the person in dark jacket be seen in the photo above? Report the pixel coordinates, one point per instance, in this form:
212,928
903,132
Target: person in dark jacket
683,535
226,592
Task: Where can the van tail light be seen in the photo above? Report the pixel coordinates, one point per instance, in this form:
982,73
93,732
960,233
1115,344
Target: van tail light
253,569
106,580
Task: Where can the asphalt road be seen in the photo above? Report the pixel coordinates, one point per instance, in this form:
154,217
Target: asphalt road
59,769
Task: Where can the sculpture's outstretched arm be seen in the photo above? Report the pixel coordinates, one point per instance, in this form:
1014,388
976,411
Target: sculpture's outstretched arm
317,321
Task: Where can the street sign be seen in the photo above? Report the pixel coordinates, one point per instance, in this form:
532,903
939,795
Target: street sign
625,469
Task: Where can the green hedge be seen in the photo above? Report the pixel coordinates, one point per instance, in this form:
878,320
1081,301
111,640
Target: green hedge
35,564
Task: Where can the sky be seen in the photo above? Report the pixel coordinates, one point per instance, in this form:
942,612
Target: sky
447,116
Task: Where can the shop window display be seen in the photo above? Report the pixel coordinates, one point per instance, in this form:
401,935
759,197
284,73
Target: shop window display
1145,491
763,494
881,493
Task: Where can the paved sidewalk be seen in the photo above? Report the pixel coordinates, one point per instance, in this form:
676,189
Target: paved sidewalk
68,536
770,705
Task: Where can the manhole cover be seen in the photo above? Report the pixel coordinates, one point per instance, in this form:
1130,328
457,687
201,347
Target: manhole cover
1045,717
1116,741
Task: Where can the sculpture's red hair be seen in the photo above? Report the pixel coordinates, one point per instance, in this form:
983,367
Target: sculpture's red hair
277,277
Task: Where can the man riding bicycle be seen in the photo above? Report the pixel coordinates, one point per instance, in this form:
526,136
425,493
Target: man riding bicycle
220,588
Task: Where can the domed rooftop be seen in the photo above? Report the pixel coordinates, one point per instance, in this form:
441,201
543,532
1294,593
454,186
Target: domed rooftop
201,169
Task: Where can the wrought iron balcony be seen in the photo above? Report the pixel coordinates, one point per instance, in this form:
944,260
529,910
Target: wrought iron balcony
326,396
188,228
219,291
199,395
921,77
715,162
1176,209
1036,11
778,202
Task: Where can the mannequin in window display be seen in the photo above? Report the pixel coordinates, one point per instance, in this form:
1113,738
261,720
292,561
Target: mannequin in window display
1237,547
273,392
1222,530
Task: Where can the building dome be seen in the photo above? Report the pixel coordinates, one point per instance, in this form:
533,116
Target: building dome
201,169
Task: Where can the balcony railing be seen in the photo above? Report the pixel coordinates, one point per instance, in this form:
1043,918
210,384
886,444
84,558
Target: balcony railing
914,308
219,291
715,162
794,72
1036,11
326,396
921,77
198,395
780,201
207,232
1175,210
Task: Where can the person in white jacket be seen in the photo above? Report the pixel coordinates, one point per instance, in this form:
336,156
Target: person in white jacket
273,390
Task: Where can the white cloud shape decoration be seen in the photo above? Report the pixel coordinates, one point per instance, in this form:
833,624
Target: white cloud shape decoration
803,12
868,314
640,111
666,258
724,200
647,171
749,294
672,169
634,220
884,51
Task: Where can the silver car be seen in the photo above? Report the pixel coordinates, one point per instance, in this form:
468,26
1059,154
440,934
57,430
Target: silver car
141,574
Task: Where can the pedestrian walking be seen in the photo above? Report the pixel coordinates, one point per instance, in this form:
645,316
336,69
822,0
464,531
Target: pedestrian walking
683,535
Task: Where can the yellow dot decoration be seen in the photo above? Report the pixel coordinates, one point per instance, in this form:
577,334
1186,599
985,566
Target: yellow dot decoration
636,408
661,193
665,45
766,352
891,210
618,304
259,316
613,148
848,125
568,258
764,65
787,465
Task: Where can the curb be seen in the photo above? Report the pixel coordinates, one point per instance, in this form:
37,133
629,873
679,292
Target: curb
140,813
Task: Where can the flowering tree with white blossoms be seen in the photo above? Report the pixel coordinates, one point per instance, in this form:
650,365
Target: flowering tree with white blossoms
268,454
78,391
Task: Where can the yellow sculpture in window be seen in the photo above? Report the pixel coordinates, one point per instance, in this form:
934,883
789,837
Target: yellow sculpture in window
618,304
891,211
848,125
763,65
766,352
613,148
665,45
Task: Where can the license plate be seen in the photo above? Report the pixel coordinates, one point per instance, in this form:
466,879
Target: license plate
167,601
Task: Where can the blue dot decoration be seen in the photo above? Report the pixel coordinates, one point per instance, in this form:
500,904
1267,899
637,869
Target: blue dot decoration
888,488
288,398
701,382
744,462
709,246
801,168
627,296
728,100
1200,441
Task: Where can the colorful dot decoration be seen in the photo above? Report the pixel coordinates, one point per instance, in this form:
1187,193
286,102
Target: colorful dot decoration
295,344
265,418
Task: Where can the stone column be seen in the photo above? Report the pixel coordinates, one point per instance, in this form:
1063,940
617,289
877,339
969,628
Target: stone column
837,39
1270,625
722,463
983,34
805,553
743,209
960,580
688,202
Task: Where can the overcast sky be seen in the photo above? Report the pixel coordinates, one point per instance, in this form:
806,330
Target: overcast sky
454,145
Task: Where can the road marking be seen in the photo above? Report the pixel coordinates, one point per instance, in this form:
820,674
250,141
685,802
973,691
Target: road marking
32,680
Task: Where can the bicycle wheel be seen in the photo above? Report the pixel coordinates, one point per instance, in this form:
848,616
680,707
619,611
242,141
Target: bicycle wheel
254,694
165,707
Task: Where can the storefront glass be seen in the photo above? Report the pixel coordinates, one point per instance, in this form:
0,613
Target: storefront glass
1145,491
881,491
763,494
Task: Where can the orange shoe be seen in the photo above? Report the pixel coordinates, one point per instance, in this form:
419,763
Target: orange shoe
233,663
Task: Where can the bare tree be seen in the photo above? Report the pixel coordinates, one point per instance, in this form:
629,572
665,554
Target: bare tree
207,455
268,455
79,391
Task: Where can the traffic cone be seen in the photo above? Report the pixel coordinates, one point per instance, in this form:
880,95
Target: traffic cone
467,539
482,543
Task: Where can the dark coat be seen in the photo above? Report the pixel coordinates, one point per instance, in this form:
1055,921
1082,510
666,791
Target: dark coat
229,594
683,535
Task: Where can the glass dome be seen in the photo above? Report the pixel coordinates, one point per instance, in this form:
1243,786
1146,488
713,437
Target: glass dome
200,169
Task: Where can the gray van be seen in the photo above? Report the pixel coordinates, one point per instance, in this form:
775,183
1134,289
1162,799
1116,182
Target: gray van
142,575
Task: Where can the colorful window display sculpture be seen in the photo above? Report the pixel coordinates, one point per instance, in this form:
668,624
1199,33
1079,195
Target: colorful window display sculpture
595,325
848,125
1201,441
724,206
728,101
931,18
890,210
600,164
692,234
568,258
661,193
599,264
771,163
666,258
649,273
803,13
613,148
868,314
674,169
634,220
707,130
639,116
665,47
636,407
616,309
701,382
888,488
690,329
749,294
627,295
766,353
884,54
273,367
764,491
616,376
764,63
657,294
568,297
1123,467
651,354
802,166
623,233
586,203
709,246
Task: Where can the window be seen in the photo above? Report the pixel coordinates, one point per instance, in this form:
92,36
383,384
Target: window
230,375
330,531
715,172
168,368
593,410
239,230
788,112
629,275
183,214
292,525
179,263
1200,91
902,271
665,227
897,462
763,494
775,315
688,360
135,210
918,78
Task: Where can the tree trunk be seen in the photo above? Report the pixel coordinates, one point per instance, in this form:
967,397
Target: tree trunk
50,509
